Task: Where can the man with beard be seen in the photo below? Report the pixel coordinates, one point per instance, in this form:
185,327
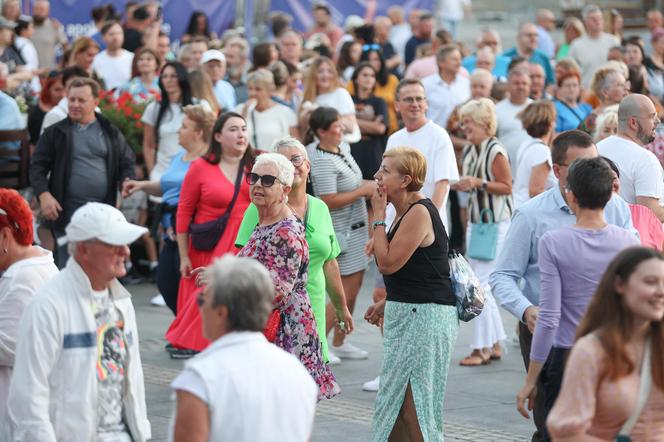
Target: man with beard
48,34
641,175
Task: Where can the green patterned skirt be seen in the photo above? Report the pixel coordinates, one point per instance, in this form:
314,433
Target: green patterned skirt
417,348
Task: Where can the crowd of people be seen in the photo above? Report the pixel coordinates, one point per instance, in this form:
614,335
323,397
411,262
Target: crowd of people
271,176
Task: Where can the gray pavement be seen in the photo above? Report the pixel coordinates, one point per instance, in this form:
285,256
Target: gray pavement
479,405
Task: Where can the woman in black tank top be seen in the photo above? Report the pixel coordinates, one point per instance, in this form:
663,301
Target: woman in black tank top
419,315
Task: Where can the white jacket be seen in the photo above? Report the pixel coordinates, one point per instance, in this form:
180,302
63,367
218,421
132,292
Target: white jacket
53,393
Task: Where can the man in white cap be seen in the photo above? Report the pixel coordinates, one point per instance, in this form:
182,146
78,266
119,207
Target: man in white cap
78,374
214,63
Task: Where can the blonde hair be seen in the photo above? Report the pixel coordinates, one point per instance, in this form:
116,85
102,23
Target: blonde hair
576,24
262,77
482,111
201,88
604,119
203,119
81,44
537,117
410,162
310,84
289,141
601,80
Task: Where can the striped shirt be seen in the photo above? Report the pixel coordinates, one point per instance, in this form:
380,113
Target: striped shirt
478,163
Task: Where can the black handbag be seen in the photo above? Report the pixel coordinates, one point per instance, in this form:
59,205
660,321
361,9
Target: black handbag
205,236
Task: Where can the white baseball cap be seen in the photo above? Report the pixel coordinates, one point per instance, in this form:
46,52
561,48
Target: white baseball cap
102,222
213,54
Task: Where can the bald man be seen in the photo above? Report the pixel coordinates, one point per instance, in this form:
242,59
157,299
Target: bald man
48,34
546,23
641,177
490,39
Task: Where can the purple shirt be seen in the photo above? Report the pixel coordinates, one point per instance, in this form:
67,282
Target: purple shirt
572,261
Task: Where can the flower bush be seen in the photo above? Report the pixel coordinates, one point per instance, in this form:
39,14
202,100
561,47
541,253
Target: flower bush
125,112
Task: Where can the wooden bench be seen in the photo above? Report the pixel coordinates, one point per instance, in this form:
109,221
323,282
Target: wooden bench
15,163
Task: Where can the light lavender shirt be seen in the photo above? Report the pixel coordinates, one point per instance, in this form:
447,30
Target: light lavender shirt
572,261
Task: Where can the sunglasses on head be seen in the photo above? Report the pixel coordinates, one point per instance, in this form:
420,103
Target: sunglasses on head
370,47
266,180
13,223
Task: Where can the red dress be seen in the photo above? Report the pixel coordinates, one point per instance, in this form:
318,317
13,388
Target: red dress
205,195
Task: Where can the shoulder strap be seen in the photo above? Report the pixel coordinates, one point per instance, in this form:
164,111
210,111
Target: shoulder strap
238,184
395,227
644,392
571,110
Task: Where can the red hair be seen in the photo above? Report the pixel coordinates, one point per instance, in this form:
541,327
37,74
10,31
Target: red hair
18,218
569,74
47,84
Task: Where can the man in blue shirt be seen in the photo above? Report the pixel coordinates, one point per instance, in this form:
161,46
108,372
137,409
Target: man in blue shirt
214,63
421,35
10,119
515,279
526,46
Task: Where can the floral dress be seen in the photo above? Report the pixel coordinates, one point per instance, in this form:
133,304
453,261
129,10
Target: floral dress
281,247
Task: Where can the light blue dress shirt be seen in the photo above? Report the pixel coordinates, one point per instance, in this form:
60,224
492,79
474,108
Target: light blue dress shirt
518,259
10,119
225,94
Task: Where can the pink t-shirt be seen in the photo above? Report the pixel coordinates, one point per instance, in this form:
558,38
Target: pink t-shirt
649,228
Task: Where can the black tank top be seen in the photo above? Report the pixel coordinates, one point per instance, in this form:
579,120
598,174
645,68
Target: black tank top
425,278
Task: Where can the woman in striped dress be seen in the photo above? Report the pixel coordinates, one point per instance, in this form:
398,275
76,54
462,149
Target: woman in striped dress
337,180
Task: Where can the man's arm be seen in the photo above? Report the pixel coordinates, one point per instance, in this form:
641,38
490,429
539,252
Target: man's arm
127,159
511,267
41,163
440,192
652,204
39,343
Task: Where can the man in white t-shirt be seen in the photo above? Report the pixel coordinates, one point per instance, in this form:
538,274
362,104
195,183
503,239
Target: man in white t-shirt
241,388
510,129
446,89
431,139
641,177
114,63
214,63
590,50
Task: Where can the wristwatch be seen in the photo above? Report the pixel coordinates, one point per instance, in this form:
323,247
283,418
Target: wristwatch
485,185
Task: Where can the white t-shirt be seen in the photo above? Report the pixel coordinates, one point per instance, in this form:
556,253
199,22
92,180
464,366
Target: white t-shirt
640,171
115,71
169,142
510,130
254,390
590,54
532,153
339,99
273,124
436,145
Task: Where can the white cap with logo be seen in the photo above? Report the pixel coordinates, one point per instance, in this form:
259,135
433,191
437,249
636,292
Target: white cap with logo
102,222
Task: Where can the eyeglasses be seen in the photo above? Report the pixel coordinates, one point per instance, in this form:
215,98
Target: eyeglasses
297,160
266,180
13,223
411,100
370,47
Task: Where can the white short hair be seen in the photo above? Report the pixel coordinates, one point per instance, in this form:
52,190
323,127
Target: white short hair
293,142
285,169
482,111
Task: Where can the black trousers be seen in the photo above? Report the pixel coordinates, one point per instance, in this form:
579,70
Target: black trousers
168,274
550,381
539,414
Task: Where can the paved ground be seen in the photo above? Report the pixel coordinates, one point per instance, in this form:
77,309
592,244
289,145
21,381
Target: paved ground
479,405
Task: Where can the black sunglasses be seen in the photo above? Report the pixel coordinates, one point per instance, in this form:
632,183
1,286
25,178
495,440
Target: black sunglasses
266,180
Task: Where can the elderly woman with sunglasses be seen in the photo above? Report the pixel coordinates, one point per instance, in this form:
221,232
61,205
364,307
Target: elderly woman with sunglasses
279,243
323,275
26,268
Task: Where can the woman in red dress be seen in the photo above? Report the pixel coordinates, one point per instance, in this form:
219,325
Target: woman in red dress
206,194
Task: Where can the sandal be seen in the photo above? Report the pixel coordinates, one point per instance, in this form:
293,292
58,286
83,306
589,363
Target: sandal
475,359
496,352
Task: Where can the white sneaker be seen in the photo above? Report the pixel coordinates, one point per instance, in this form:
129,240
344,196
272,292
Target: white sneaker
372,385
158,301
333,359
349,351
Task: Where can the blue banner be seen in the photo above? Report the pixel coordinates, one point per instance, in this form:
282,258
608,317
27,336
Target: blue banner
75,14
303,20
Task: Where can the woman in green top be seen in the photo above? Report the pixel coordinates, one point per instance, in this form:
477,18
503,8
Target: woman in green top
323,246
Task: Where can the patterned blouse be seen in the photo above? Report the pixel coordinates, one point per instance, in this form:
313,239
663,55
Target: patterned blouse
282,248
